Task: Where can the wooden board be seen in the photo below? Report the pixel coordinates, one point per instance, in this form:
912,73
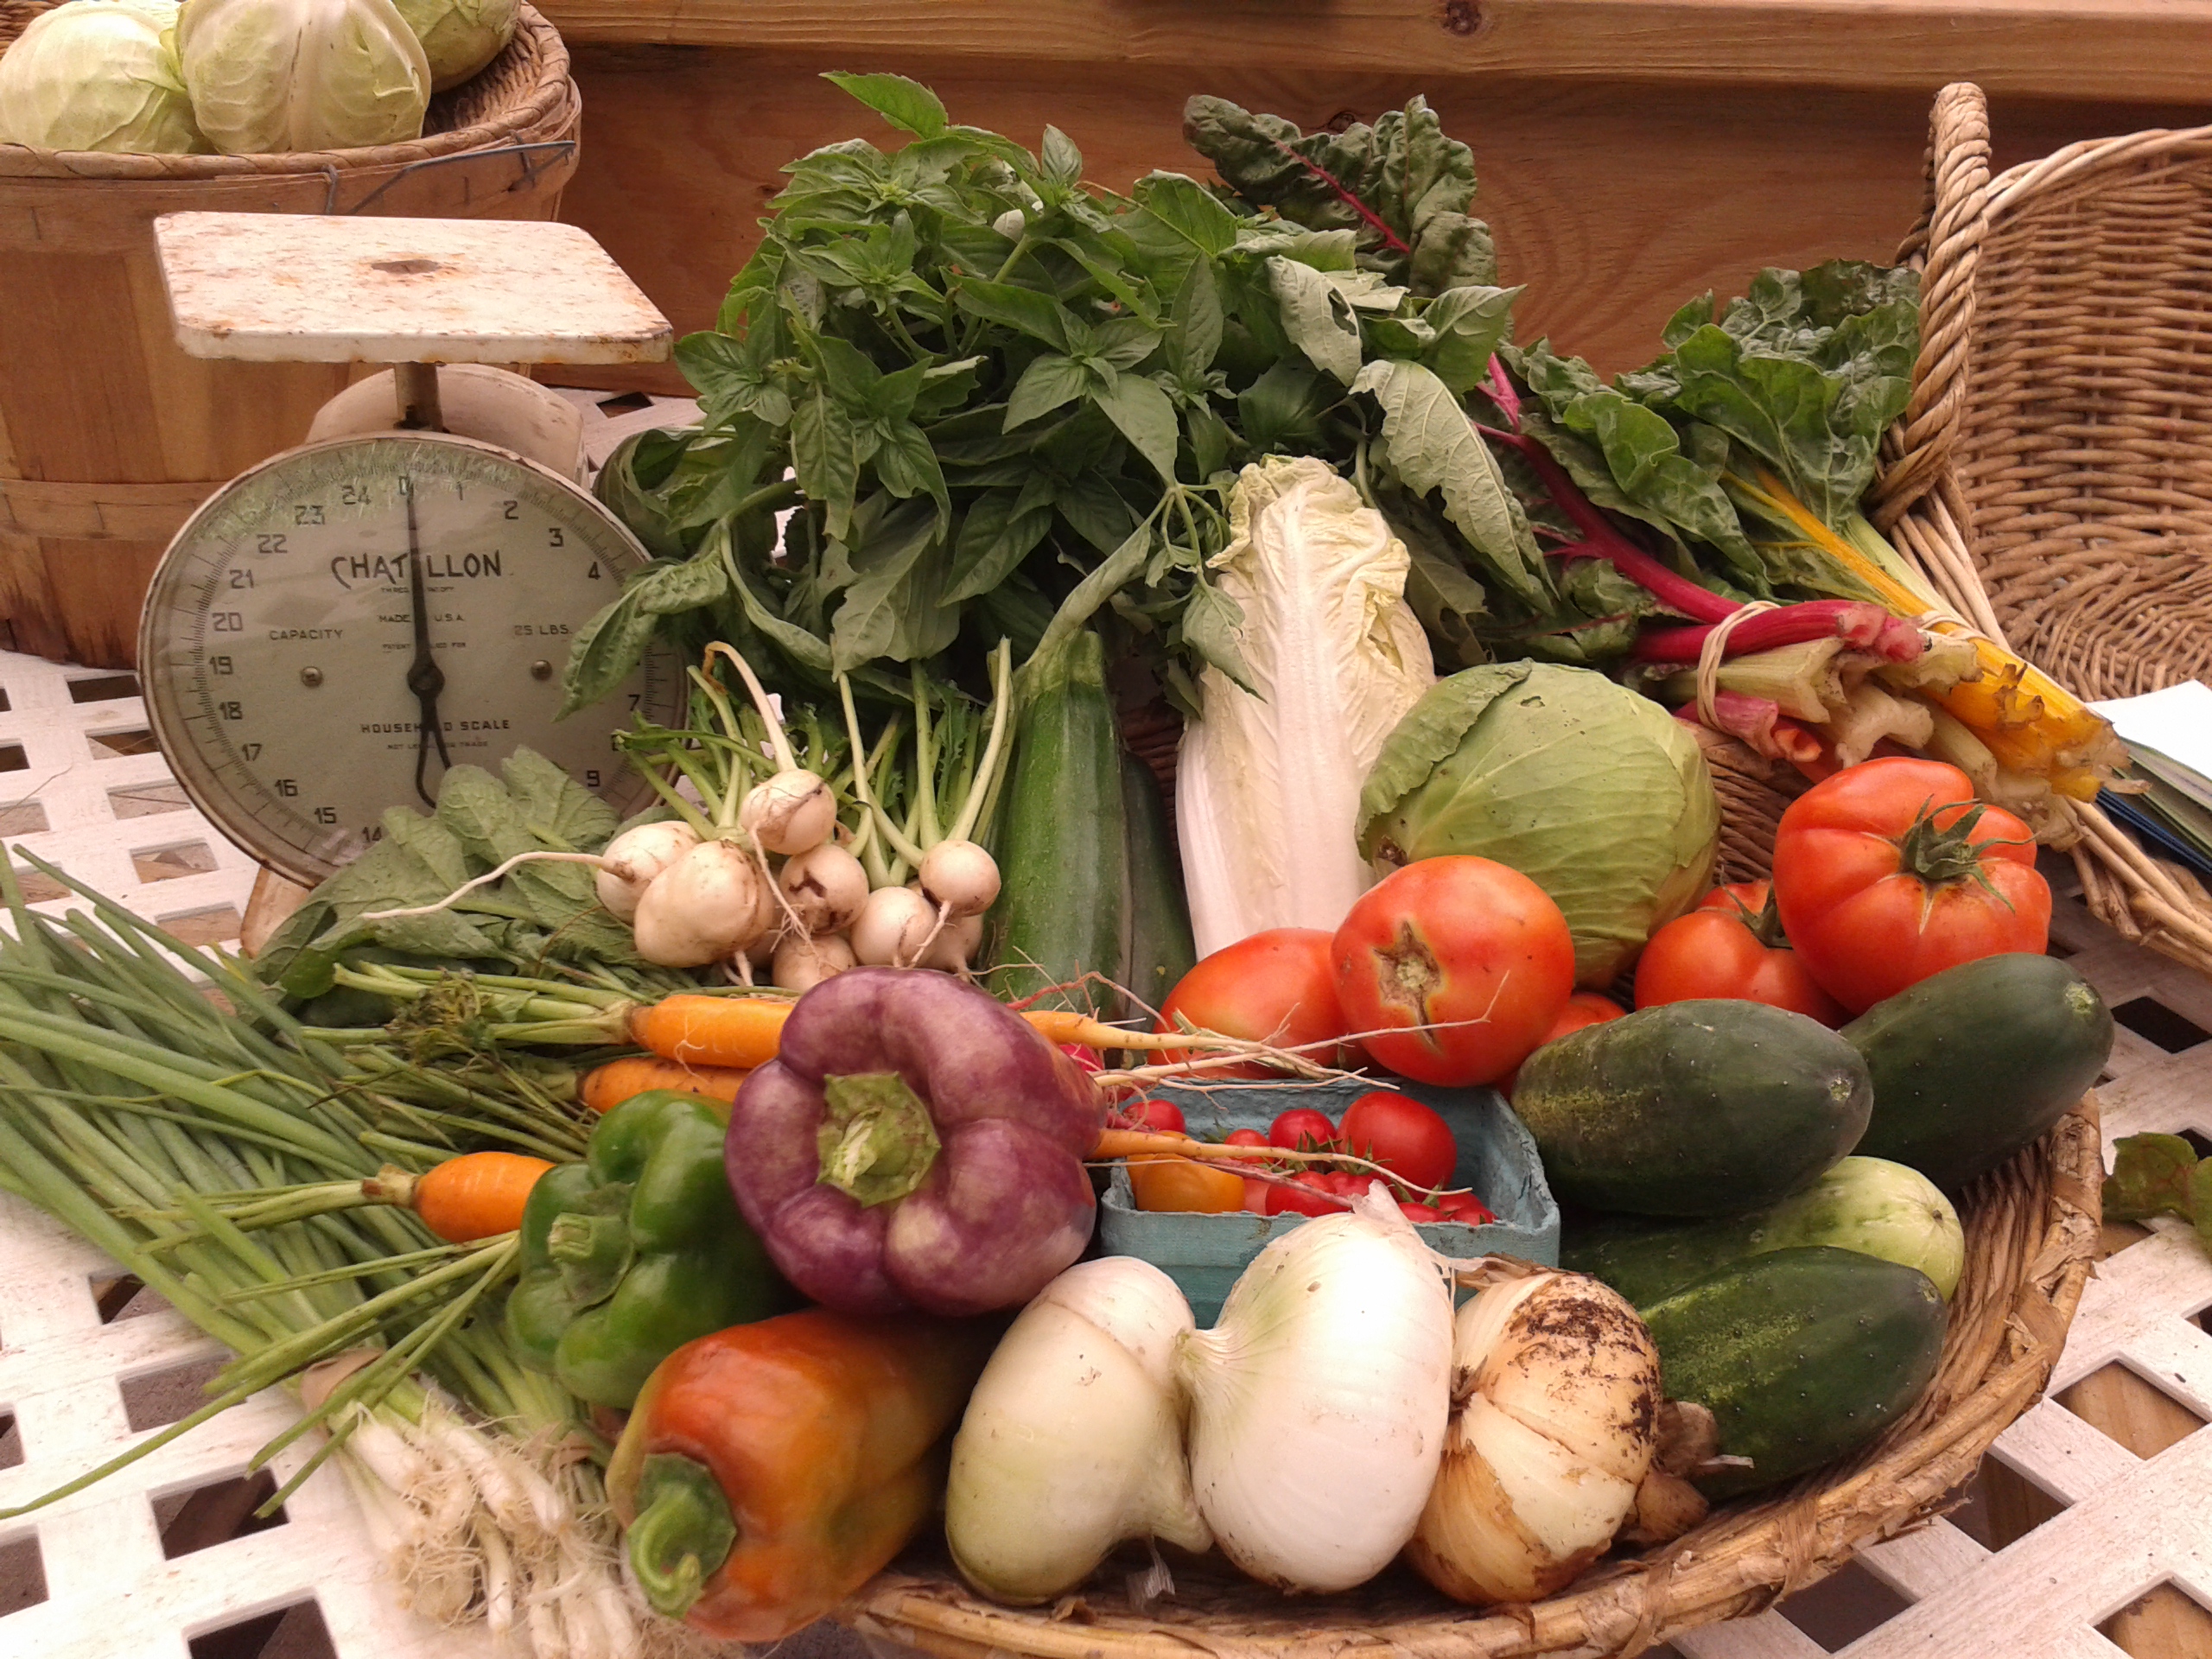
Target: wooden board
1612,202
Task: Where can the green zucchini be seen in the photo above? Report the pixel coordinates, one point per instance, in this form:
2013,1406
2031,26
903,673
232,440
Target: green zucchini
1062,853
1157,948
1866,1204
1978,1061
1801,1355
1706,1107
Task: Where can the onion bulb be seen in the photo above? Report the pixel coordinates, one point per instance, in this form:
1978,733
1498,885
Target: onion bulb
793,811
802,963
1073,1438
634,858
1319,1401
825,886
892,925
1556,1406
709,903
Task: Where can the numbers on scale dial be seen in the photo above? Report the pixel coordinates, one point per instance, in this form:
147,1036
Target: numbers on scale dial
296,600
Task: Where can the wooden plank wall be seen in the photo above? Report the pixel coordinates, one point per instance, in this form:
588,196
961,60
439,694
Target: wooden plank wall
1630,155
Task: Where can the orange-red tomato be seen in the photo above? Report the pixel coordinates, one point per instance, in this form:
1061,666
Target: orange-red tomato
1476,952
1731,946
1274,987
1583,1009
1890,871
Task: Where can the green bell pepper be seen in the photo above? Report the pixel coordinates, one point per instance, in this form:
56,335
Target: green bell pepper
636,1251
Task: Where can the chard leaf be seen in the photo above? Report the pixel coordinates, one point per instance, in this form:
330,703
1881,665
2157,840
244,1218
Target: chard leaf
1452,251
1433,446
1470,324
1282,410
906,104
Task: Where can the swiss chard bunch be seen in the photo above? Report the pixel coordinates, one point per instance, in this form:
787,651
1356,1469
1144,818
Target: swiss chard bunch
1004,402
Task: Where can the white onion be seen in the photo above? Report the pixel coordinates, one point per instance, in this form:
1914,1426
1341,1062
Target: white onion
708,905
794,811
825,886
892,926
1073,1438
1319,1403
634,858
1556,1407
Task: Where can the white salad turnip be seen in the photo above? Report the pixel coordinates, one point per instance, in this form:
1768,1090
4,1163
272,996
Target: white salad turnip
793,812
709,903
634,858
961,876
825,887
802,963
954,946
893,927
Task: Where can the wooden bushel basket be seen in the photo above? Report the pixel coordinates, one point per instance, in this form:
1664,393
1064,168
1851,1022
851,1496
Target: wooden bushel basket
2054,474
109,436
2031,1231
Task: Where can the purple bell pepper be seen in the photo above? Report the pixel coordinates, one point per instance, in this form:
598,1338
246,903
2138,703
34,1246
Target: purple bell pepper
915,1144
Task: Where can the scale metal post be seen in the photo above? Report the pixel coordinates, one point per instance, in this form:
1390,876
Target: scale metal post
353,591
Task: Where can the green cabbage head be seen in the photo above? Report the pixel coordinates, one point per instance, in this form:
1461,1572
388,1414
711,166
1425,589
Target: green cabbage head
99,74
1599,796
276,77
460,36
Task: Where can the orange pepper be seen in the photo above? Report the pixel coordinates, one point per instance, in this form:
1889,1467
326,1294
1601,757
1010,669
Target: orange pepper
1184,1184
769,1470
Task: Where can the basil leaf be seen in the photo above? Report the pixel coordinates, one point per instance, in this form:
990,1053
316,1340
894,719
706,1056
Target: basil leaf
1317,318
607,651
869,622
1049,382
1023,309
1146,418
994,540
1210,623
824,456
1191,211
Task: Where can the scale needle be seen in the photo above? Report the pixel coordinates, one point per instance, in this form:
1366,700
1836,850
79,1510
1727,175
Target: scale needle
424,677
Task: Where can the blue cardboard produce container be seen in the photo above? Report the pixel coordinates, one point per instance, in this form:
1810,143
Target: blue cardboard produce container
1205,1254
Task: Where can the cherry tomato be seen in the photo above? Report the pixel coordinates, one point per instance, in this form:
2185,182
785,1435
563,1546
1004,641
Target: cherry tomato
1184,1184
1731,946
1255,1195
1404,1136
1464,1207
1420,1211
1086,1058
1274,987
1163,1114
1476,951
1583,1009
1890,871
1305,1195
1303,1129
1246,1138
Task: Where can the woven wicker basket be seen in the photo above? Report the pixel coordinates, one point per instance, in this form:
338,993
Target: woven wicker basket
109,436
2054,474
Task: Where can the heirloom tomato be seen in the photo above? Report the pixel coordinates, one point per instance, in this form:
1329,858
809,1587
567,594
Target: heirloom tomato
1731,946
1890,871
1274,987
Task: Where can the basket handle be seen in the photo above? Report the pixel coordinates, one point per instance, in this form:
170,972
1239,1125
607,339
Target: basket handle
1945,246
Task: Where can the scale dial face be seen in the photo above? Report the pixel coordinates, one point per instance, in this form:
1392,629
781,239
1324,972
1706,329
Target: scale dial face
279,638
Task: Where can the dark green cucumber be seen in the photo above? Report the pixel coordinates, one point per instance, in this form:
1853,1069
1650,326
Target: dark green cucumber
1062,850
1978,1061
1800,1355
1157,949
1706,1107
1866,1204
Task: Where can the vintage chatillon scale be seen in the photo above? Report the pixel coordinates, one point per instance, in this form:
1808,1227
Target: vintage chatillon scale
338,625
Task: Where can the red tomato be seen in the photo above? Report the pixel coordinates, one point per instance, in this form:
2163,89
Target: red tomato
1583,1009
1464,1207
1420,1211
1088,1058
1403,1136
1890,871
1306,1195
1255,1196
1464,945
1731,946
1274,987
1163,1114
1302,1129
1245,1138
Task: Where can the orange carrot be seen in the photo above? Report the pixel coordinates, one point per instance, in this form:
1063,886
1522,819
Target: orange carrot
477,1195
736,1032
605,1087
1152,1143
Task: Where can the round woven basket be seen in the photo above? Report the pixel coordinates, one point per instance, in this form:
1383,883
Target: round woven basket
2054,473
109,437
